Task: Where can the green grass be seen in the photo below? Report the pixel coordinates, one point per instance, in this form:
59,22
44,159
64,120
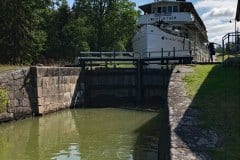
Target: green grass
216,91
226,56
121,65
220,58
194,80
7,68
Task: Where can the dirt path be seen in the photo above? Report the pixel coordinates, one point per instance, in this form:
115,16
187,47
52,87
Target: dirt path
188,140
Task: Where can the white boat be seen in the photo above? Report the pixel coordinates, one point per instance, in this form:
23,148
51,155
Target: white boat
170,28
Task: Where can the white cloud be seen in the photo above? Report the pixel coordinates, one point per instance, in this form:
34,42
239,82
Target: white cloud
216,15
219,12
216,4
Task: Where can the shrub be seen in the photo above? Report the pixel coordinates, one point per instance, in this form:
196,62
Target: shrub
4,100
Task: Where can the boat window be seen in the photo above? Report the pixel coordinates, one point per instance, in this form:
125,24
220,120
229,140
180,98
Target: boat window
159,9
175,8
169,9
164,9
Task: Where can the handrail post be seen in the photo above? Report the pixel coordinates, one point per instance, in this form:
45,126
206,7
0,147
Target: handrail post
114,56
228,44
173,52
223,54
162,52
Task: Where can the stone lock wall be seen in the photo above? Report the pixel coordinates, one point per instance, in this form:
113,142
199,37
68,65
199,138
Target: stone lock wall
38,90
56,87
20,88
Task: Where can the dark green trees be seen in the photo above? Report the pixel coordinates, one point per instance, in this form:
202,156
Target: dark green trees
56,45
20,37
50,29
112,23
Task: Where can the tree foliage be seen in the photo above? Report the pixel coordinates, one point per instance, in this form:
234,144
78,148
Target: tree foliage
51,29
20,37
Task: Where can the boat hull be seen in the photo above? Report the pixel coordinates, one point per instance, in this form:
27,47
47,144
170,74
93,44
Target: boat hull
152,41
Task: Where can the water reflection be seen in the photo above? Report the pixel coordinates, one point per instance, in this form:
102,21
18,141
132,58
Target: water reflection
84,134
72,153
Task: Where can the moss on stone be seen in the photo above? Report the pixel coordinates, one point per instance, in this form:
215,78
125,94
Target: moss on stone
4,100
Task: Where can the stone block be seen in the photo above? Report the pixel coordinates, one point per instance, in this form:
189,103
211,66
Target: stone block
73,87
4,117
61,88
45,82
68,79
41,101
49,91
14,103
41,109
19,94
53,80
25,71
73,79
26,102
25,93
6,78
17,74
67,97
39,82
20,103
51,108
11,95
41,71
61,79
67,88
66,104
39,92
10,109
22,112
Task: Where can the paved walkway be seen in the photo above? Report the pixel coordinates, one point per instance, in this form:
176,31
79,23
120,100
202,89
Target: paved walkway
188,140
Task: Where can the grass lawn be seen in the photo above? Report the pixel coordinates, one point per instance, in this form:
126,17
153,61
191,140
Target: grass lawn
121,65
226,56
216,91
8,67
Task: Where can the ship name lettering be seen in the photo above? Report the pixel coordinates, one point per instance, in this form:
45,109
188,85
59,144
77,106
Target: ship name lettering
169,18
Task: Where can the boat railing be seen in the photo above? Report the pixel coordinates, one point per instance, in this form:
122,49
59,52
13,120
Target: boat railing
110,55
165,54
96,58
100,59
135,55
230,44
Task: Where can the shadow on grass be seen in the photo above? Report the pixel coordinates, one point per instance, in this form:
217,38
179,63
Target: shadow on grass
216,110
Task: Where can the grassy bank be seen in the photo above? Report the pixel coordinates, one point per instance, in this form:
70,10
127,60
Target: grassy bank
7,67
220,58
216,91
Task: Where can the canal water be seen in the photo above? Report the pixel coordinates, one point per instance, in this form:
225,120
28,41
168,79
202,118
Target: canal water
83,134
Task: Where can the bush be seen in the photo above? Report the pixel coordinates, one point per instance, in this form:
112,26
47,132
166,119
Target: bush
4,100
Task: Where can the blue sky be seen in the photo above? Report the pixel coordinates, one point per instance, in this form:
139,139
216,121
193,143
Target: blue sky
216,15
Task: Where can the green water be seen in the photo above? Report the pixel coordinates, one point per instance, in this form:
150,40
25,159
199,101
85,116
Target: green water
83,134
